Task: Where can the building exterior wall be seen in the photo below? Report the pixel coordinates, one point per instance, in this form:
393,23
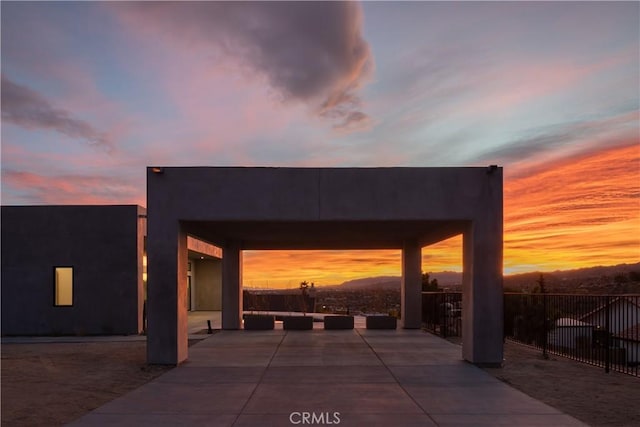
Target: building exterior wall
103,244
208,285
570,337
623,314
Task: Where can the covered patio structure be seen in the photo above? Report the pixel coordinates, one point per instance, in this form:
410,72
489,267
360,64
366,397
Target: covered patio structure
240,209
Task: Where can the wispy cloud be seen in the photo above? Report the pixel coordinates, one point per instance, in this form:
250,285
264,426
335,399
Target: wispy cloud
37,188
578,211
289,268
332,267
580,137
24,107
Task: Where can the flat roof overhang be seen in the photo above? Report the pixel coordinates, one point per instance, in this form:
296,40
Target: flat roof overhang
197,248
294,235
324,208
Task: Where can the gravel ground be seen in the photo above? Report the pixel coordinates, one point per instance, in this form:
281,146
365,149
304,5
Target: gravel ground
53,384
583,391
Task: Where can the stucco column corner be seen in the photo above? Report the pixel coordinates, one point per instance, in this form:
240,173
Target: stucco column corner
411,287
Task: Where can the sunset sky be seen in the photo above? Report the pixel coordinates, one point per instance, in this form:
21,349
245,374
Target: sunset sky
92,93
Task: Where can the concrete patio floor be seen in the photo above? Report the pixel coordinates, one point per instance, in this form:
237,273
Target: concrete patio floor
371,378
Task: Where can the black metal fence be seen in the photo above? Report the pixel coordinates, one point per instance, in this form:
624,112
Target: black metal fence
601,330
277,302
442,313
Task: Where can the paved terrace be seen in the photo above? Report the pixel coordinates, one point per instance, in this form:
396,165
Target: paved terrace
372,378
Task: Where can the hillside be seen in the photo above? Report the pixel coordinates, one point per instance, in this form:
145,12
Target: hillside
618,279
601,279
380,282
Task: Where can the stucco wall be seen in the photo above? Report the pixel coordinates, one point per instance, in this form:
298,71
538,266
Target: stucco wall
103,245
208,282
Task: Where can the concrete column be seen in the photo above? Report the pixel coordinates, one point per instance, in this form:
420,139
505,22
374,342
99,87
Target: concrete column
482,294
411,288
232,286
167,338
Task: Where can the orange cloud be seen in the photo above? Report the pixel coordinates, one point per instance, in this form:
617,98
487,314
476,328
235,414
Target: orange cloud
443,256
286,269
577,212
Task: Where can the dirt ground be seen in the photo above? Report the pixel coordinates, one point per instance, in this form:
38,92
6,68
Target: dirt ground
582,391
53,384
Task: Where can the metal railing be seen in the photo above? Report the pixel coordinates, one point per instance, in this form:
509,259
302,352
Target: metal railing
442,313
601,330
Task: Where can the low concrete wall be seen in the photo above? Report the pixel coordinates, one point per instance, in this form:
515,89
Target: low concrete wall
382,322
258,322
338,322
297,323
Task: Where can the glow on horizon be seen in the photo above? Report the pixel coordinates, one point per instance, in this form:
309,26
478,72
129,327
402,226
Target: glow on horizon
579,212
286,269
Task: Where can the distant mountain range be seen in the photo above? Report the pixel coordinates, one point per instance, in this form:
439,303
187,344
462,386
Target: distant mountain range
379,282
600,279
453,279
603,279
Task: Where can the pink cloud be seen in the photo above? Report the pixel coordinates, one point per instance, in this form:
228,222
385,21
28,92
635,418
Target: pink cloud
515,83
34,188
